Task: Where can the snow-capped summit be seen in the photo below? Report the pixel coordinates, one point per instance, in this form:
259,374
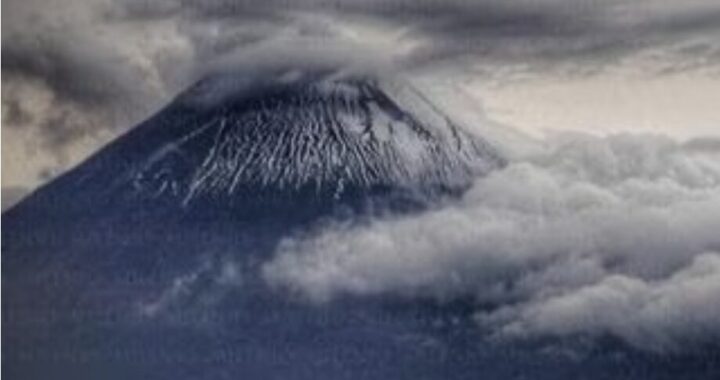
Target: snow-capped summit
326,136
297,137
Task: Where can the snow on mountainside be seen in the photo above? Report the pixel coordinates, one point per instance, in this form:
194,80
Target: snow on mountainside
298,138
328,135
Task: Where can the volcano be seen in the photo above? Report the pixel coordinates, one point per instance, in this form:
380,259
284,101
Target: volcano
237,143
145,260
151,247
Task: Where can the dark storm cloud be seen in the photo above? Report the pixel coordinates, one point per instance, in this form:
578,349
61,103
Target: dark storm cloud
535,32
586,34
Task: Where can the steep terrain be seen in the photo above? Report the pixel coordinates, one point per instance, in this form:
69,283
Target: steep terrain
145,261
233,142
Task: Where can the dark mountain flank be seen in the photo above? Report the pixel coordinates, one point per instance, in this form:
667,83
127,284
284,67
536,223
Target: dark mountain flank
144,262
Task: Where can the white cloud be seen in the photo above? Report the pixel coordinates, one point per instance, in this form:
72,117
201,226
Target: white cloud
629,215
663,315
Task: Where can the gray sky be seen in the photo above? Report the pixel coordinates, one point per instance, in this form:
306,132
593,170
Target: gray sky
77,73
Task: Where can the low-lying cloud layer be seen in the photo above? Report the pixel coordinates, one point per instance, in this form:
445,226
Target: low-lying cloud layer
592,236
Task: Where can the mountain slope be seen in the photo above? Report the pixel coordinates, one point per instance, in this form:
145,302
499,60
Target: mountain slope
153,245
145,261
316,139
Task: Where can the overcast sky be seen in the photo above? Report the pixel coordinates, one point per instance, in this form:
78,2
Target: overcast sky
77,73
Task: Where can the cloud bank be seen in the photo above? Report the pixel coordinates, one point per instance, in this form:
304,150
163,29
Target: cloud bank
590,236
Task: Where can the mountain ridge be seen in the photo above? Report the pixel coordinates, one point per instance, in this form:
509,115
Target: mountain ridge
327,139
